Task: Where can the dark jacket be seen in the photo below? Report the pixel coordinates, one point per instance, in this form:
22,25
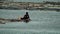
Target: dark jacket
26,17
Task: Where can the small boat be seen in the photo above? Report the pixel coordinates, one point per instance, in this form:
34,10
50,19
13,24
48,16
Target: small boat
25,19
15,20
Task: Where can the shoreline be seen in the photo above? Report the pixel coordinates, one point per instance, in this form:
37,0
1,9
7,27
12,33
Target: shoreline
30,6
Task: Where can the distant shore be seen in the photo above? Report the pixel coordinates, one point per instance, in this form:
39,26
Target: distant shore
30,5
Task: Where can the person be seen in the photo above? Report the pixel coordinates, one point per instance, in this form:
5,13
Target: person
26,16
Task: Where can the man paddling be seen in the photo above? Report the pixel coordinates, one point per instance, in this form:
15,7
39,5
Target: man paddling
26,17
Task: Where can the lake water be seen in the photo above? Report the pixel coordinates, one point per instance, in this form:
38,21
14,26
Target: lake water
43,22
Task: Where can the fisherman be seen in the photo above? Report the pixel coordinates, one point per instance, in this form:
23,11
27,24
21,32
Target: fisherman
26,16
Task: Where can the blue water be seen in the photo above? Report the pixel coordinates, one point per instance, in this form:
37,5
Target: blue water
43,22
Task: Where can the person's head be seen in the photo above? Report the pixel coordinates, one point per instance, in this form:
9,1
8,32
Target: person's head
27,13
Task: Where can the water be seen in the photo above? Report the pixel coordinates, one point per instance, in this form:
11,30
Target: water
43,22
32,0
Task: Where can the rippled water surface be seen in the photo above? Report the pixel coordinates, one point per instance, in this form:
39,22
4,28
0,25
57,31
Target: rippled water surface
43,22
